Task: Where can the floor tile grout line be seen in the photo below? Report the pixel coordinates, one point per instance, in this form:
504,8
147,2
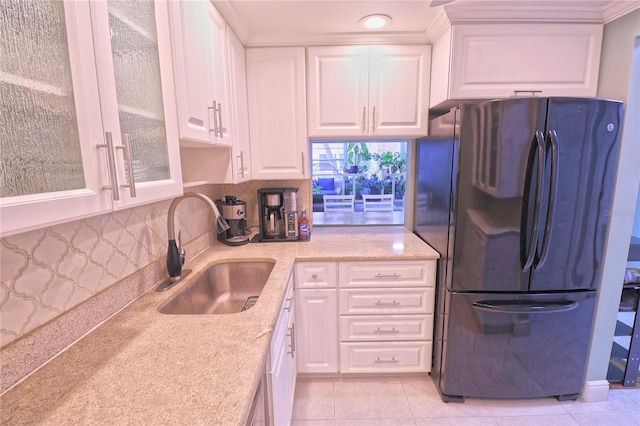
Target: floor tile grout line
413,416
333,389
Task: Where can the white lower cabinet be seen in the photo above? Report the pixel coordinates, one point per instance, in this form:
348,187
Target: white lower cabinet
386,316
317,317
365,317
281,368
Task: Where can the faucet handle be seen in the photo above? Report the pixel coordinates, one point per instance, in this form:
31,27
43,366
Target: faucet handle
181,250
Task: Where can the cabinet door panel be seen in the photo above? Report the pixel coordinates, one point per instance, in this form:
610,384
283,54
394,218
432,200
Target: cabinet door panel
399,90
496,60
193,62
220,76
317,325
277,111
241,150
338,90
136,93
50,125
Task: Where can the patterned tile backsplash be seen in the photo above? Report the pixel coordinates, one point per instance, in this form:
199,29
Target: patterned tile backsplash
46,272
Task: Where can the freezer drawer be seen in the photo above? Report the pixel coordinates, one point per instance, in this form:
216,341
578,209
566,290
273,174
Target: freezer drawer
515,345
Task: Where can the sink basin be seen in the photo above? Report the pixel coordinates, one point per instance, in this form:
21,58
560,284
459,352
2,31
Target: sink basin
222,288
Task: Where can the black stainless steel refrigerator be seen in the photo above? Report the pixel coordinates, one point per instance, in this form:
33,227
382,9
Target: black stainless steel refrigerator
514,196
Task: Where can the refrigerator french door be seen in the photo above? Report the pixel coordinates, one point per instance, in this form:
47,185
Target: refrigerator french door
521,233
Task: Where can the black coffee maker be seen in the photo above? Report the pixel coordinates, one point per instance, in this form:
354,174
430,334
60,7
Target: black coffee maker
278,209
234,211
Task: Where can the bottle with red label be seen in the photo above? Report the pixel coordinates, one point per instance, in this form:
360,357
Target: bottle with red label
303,224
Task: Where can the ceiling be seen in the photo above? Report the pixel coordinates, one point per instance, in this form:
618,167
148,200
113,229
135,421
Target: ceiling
289,22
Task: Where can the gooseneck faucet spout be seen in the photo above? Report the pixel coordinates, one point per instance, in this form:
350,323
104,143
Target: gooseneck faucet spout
176,254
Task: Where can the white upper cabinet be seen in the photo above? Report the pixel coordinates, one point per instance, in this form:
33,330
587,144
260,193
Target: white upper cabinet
76,77
135,78
224,164
277,113
476,61
199,49
368,90
241,150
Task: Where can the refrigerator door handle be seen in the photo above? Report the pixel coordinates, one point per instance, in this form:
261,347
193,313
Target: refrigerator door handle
537,151
552,139
519,306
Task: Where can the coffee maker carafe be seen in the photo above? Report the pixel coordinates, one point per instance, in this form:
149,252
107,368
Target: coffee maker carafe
278,209
234,211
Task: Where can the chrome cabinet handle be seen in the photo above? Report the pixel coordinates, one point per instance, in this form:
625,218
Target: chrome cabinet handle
304,169
292,336
379,330
373,120
288,307
380,303
364,119
215,118
111,163
394,275
241,157
221,128
314,276
533,92
126,140
393,360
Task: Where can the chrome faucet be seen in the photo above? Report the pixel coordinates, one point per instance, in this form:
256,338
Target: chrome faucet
175,252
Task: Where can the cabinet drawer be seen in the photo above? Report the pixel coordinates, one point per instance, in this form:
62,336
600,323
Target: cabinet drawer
387,327
383,357
316,274
387,301
412,273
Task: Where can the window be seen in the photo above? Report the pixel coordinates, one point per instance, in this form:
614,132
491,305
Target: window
358,182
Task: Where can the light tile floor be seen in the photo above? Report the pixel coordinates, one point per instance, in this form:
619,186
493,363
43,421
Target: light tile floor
400,401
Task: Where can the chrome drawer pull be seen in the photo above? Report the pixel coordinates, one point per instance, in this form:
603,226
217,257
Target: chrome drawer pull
292,336
393,330
288,308
314,276
394,275
393,360
394,303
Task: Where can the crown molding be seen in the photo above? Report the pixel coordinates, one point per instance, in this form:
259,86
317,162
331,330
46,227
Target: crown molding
230,14
438,27
286,39
588,11
615,10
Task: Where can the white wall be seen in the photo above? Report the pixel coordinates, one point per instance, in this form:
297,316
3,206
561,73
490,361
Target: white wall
615,59
619,79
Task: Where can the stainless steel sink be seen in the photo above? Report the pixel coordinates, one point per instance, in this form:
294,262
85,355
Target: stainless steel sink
222,288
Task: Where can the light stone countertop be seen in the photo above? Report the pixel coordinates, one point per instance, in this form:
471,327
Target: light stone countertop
144,367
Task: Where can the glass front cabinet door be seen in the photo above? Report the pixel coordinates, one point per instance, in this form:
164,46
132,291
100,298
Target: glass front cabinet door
83,105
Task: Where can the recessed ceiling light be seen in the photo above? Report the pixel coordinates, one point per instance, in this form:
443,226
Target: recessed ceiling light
374,22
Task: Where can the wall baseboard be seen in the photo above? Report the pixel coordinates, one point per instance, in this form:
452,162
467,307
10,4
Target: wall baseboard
595,391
